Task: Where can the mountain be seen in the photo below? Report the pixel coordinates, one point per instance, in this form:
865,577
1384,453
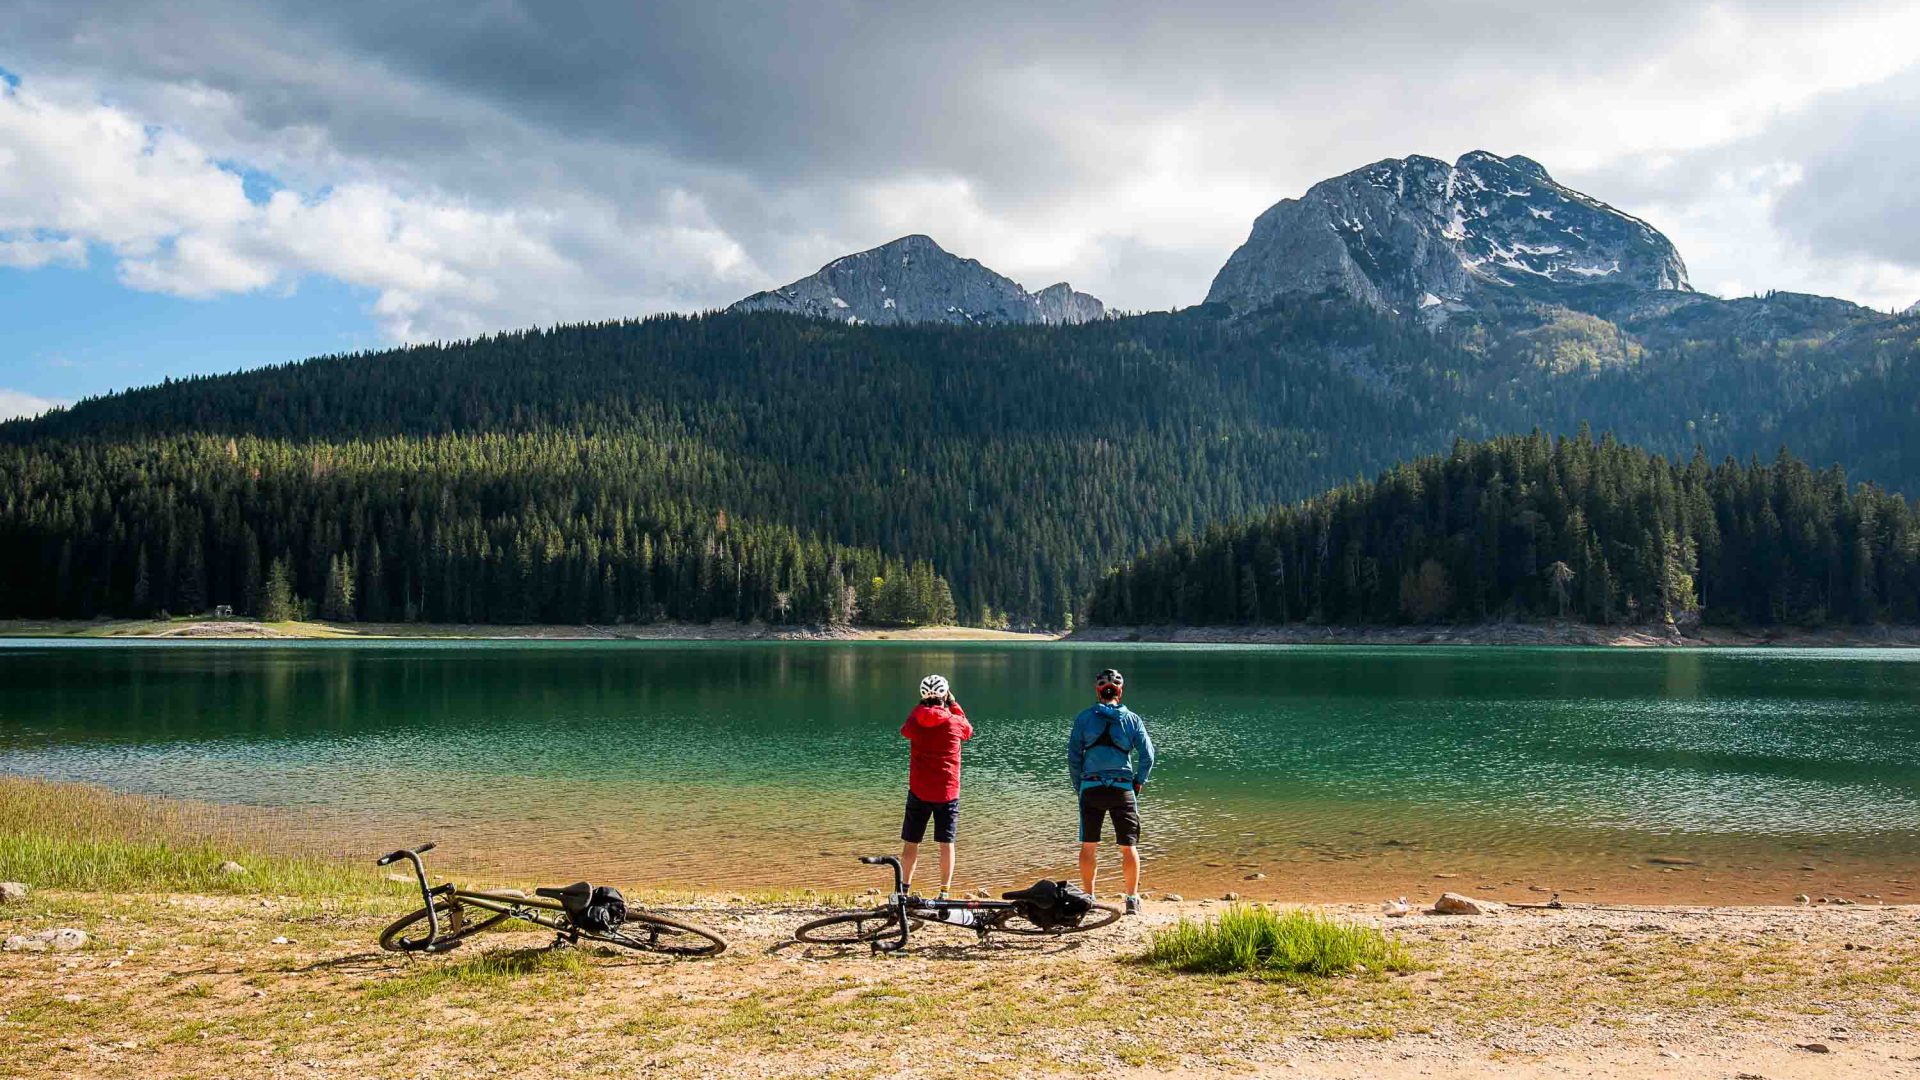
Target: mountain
1416,234
1914,310
914,280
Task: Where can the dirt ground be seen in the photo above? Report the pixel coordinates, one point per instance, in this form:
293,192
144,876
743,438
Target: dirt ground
262,986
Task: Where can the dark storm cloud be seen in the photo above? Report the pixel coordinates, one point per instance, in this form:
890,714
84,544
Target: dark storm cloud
1052,138
1859,153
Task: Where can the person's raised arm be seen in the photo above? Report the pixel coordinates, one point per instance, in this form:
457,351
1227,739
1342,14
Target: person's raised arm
960,720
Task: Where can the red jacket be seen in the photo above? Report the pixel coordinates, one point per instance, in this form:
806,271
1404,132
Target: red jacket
933,767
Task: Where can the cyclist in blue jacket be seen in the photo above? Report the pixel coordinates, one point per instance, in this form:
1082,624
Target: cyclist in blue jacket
1109,756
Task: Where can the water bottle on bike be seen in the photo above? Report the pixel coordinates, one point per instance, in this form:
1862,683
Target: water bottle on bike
958,916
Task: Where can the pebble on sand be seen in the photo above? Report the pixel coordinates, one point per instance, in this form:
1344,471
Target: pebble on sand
1459,904
65,939
12,892
232,868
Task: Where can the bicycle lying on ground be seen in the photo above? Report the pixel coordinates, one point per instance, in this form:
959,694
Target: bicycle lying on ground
1049,909
575,913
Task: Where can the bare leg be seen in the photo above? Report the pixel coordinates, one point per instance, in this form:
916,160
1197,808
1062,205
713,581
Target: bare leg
909,855
1130,869
1089,862
946,866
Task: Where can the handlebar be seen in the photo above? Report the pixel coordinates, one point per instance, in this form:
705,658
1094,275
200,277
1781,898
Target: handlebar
412,855
404,853
899,880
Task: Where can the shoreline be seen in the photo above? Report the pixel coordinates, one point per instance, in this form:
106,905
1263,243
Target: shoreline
240,629
267,965
1513,633
1521,634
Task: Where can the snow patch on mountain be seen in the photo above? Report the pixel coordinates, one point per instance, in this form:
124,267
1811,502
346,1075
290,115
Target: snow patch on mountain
1399,231
914,280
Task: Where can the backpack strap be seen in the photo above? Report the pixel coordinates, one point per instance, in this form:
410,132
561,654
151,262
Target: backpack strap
1106,737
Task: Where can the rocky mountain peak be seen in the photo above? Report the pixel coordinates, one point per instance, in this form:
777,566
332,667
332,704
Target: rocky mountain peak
914,280
1417,234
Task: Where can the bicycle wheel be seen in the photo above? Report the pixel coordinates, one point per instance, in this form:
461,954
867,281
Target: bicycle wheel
648,932
852,928
454,928
1010,921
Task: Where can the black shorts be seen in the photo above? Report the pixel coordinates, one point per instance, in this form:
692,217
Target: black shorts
945,815
1096,803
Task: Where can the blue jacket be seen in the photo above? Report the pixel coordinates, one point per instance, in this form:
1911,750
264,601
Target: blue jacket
1109,747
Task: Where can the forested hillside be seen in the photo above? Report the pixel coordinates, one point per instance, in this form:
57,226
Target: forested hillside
1536,527
1020,463
497,528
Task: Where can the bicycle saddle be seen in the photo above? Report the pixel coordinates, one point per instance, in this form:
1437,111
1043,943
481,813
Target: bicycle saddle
572,897
1045,891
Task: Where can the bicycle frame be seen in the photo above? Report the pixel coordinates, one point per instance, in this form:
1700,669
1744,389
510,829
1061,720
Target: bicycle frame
517,907
908,907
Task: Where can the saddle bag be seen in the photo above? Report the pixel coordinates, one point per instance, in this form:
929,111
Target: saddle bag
605,911
1051,905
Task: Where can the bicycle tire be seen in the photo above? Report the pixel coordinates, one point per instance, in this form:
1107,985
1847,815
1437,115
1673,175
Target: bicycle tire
391,938
851,928
670,937
1100,915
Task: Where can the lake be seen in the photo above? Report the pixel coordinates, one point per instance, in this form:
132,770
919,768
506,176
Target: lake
1336,772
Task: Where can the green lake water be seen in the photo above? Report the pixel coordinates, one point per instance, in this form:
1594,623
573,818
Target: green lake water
1335,772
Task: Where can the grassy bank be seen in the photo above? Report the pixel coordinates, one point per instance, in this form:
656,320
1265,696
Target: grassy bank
80,837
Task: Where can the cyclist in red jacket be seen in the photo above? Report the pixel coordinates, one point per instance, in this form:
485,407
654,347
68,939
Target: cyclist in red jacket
935,728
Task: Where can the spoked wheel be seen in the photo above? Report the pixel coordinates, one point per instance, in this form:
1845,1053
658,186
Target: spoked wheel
648,932
852,928
1010,921
454,928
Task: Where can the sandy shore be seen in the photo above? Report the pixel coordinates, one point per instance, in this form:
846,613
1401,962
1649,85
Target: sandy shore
242,629
1548,633
185,985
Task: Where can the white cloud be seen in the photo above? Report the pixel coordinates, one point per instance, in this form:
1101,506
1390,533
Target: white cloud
14,404
31,253
180,223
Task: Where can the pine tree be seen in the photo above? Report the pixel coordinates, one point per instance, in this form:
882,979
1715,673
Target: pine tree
337,605
278,603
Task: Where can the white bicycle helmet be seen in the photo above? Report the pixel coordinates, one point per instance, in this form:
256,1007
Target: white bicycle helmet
933,686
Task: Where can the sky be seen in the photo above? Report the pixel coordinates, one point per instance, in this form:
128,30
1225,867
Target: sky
198,187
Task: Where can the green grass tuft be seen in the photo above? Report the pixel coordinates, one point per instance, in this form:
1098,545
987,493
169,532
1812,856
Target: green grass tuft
489,970
1260,940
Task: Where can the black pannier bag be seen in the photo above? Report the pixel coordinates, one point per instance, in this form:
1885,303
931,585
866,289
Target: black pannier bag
1052,904
605,911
